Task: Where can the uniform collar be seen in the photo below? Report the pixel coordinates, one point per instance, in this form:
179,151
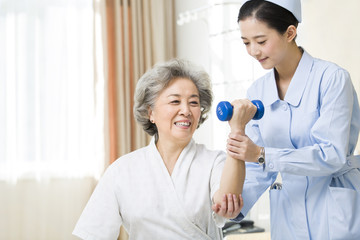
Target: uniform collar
297,84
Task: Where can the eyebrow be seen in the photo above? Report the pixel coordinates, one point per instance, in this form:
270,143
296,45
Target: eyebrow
178,95
259,36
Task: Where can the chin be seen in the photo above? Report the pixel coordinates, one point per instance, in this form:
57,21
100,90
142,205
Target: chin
267,67
183,138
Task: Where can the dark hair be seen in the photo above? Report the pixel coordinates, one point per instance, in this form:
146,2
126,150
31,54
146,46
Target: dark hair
273,15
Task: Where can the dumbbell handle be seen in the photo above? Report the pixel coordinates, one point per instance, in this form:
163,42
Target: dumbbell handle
224,110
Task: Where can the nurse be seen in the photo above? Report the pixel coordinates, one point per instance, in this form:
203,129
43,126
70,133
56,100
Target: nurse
307,136
165,190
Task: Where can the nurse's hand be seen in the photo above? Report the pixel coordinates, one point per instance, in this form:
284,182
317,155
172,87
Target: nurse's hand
243,111
230,207
242,148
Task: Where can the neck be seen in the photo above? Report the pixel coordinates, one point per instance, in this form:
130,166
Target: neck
170,152
286,70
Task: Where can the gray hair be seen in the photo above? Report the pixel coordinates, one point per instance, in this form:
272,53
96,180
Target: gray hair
156,79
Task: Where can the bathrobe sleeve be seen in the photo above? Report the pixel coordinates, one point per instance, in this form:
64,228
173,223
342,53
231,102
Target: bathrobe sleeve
101,218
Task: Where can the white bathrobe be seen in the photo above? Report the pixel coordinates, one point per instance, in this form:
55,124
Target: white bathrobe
137,192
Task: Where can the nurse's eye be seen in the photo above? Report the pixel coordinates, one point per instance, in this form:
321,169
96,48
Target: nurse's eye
246,43
262,42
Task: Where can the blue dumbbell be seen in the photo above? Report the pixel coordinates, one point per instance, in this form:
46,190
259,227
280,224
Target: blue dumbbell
224,110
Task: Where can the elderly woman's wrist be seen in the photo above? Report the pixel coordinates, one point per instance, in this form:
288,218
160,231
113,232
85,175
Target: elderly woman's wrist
240,131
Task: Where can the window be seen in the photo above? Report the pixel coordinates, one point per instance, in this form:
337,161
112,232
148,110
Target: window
51,107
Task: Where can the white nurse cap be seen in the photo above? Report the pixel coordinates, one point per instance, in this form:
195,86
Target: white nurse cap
294,6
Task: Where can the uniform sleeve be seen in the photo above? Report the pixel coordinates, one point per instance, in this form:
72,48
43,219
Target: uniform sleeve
329,135
101,218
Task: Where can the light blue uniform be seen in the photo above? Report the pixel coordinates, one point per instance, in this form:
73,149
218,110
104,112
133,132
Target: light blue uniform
309,138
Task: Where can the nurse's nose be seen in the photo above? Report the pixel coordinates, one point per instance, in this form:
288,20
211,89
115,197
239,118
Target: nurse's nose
254,50
185,110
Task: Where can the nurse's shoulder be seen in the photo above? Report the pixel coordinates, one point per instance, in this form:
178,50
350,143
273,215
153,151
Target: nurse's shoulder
327,72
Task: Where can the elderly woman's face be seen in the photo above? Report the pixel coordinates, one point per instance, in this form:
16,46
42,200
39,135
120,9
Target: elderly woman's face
177,111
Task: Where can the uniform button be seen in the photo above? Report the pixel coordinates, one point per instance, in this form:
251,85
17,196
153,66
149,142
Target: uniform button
271,165
285,107
349,163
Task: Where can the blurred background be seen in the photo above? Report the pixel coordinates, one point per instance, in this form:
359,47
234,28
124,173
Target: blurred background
68,69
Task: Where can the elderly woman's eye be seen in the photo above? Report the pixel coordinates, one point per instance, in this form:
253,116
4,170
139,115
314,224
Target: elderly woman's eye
175,101
194,103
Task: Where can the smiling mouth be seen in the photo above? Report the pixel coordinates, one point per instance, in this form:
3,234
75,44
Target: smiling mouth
262,60
183,124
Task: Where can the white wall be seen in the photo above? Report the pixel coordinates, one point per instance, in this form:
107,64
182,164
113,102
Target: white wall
232,71
192,44
328,31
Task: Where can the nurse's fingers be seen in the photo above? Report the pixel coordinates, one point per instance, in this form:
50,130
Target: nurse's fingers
236,203
235,144
242,141
223,206
237,206
236,155
241,201
230,205
236,136
216,208
236,149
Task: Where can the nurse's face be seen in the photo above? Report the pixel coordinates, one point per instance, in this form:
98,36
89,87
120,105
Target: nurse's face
265,44
177,111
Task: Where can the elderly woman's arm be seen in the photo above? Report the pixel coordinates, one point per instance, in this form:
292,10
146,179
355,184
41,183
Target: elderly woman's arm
227,200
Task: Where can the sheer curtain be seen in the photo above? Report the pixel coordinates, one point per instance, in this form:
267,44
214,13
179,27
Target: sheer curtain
136,35
51,116
51,108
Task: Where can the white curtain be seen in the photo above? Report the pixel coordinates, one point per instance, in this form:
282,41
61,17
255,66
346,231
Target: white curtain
51,116
51,108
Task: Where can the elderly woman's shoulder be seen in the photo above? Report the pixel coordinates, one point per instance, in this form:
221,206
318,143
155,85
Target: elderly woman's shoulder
202,149
134,157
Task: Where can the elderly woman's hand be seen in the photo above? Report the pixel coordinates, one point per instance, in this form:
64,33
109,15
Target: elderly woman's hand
230,206
244,111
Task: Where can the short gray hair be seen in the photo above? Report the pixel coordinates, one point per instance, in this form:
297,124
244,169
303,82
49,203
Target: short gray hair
156,79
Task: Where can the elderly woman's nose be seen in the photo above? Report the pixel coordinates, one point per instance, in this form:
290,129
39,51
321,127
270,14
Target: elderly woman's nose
185,109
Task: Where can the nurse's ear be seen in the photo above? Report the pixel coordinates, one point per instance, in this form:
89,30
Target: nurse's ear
291,33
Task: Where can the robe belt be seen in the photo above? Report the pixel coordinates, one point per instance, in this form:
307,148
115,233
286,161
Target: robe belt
351,163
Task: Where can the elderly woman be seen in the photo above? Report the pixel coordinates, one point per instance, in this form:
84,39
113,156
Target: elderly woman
166,190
